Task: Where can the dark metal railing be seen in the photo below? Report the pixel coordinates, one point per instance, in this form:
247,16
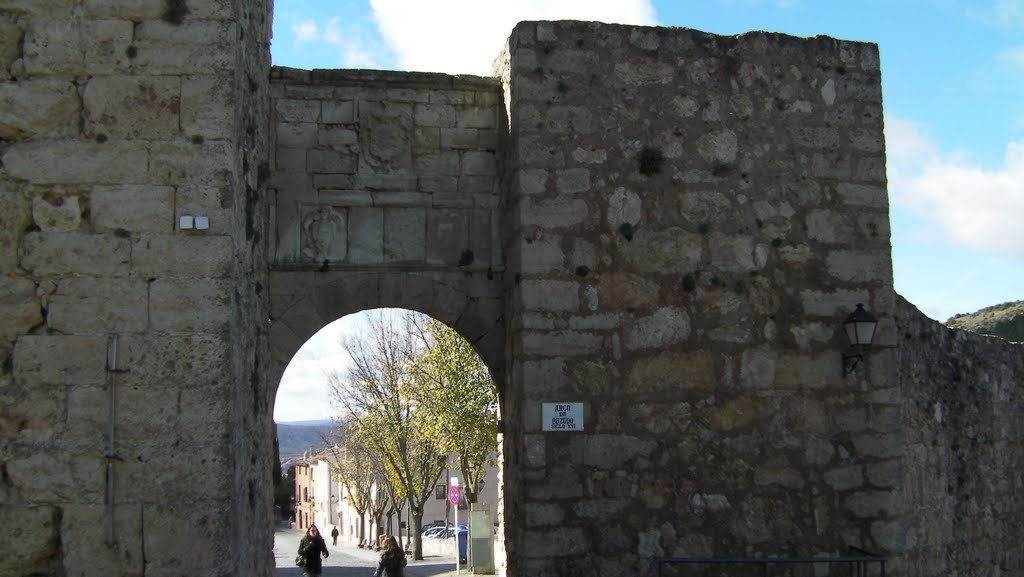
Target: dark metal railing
860,560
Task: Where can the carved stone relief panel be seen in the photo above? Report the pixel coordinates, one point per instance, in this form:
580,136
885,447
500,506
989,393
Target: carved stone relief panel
324,233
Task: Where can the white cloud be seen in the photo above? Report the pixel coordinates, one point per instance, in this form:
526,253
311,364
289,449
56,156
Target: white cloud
305,31
979,207
465,36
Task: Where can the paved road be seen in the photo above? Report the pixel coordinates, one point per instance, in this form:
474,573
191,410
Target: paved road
347,560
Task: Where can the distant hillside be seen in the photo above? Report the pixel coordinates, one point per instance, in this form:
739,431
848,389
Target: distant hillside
295,438
1005,321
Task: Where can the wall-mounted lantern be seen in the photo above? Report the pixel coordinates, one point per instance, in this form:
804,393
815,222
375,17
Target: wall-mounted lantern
860,331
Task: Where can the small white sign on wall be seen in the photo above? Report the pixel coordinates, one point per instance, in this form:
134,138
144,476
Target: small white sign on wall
562,416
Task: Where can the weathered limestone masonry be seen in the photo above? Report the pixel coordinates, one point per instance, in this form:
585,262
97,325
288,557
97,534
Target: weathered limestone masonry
134,419
385,195
690,219
665,226
963,413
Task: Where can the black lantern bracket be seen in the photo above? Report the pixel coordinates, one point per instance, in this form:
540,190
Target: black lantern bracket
859,327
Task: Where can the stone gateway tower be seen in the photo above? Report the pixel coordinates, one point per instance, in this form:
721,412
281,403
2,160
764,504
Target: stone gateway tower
661,229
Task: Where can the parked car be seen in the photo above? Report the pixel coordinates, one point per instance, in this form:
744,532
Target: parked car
435,533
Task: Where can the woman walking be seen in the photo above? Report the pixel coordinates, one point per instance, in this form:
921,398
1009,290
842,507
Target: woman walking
392,560
311,548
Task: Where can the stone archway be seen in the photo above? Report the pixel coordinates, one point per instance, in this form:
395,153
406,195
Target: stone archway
304,302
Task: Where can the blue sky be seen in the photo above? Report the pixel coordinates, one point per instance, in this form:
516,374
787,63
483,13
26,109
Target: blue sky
952,81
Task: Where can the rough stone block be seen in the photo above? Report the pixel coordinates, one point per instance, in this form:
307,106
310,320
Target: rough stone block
61,360
290,159
561,343
834,304
194,47
614,451
543,514
731,253
38,108
63,217
543,255
552,213
872,504
15,219
181,305
132,107
436,115
296,135
186,163
405,234
444,163
864,195
665,327
480,186
779,474
169,552
845,478
620,291
860,267
165,255
89,549
366,235
77,162
91,305
668,372
132,208
886,446
330,162
532,181
478,163
52,254
572,180
182,361
459,138
334,137
670,250
335,112
53,46
757,368
550,295
477,117
30,542
20,309
736,413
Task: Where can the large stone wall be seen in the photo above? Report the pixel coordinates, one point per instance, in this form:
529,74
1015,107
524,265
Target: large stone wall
385,194
691,218
131,392
962,479
665,226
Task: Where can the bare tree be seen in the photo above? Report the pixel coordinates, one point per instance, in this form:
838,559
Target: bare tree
378,397
352,466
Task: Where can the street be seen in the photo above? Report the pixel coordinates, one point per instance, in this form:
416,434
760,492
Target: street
347,560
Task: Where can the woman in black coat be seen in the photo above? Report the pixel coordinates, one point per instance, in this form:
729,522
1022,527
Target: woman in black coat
311,548
392,560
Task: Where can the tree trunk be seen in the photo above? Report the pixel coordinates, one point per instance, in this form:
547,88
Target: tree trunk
417,536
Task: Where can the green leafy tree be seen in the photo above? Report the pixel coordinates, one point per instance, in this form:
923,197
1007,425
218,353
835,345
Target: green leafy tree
378,397
458,399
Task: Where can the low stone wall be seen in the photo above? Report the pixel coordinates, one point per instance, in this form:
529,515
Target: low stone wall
963,416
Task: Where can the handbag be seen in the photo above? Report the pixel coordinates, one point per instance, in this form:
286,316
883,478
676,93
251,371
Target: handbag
300,560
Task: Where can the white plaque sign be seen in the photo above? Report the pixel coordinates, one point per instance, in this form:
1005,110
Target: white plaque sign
562,416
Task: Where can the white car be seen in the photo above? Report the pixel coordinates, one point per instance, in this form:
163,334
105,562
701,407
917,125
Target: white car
434,532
